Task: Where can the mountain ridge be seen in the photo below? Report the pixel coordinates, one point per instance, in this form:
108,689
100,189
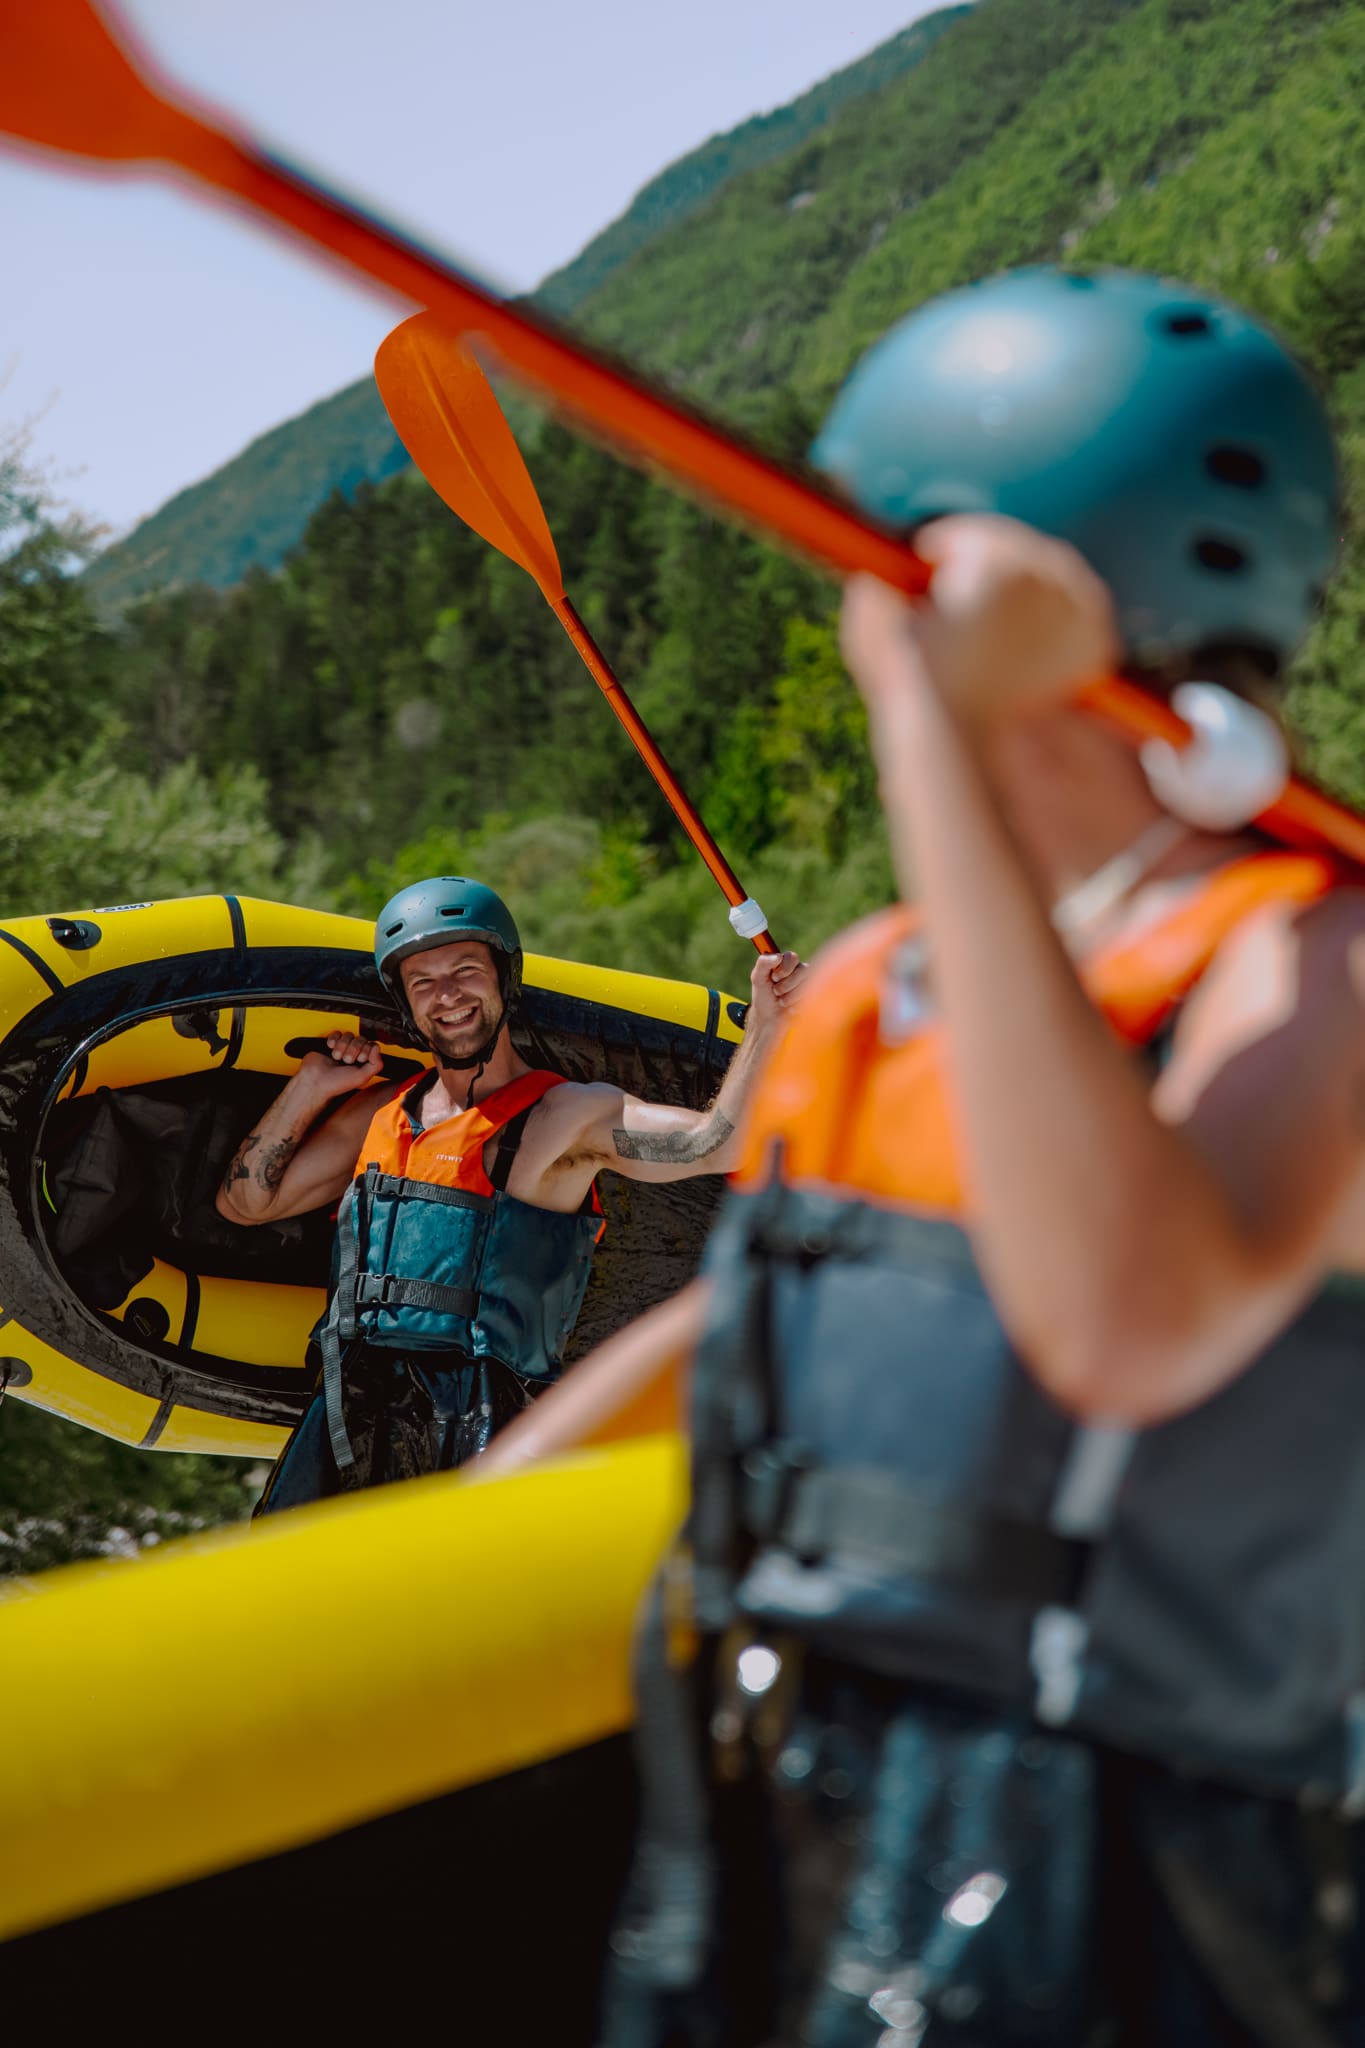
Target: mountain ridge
688,183
252,509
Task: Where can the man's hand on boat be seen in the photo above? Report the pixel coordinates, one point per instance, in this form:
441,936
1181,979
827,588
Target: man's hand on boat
349,1062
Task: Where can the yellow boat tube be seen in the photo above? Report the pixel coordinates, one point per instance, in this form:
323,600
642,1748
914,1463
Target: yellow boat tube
234,1695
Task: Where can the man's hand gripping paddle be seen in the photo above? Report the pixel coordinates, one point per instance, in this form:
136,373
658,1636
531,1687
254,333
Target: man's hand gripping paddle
450,422
68,84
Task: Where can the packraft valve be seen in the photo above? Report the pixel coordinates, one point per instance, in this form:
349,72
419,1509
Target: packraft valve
77,934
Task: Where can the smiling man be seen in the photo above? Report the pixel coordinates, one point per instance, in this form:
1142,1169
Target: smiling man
468,1209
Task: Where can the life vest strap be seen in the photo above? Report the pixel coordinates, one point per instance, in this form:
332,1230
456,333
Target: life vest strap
339,1329
394,1290
874,1515
397,1186
805,1226
509,1144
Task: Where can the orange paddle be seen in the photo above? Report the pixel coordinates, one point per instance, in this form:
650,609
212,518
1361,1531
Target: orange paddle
69,83
450,422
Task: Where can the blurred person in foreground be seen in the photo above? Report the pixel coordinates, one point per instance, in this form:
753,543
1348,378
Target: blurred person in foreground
1027,1547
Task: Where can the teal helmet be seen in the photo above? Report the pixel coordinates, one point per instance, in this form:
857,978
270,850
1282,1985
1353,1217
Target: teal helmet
436,913
1170,437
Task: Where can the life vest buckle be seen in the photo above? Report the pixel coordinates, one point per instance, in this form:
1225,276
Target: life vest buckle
812,1246
776,1233
378,1290
770,1471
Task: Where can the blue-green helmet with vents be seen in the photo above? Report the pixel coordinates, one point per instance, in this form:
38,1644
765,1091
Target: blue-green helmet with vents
437,912
1171,438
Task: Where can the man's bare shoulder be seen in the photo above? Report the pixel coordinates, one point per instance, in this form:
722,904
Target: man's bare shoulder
1338,917
1323,943
367,1101
574,1107
353,1115
1289,981
563,1147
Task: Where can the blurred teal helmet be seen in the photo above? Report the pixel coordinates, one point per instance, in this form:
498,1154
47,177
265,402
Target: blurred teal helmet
1166,434
436,913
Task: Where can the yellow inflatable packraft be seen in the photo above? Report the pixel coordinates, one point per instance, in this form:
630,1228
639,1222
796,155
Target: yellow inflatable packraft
139,1042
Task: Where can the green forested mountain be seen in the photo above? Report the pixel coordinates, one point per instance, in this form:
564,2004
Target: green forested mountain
397,681
401,695
746,292
254,509
689,183
396,699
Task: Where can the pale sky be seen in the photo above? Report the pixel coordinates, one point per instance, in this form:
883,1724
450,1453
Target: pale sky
157,335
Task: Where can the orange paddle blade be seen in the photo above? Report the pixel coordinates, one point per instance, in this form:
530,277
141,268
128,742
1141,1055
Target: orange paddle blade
450,422
67,82
447,417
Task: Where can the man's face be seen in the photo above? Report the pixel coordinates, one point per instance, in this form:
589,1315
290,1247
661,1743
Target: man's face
454,995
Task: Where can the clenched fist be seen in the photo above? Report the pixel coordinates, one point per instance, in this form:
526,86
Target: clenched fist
1013,622
775,985
349,1062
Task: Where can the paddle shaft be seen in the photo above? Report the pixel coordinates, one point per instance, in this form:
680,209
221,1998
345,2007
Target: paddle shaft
647,748
615,404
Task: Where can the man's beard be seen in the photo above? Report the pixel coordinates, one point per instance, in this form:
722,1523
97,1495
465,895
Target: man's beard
468,1040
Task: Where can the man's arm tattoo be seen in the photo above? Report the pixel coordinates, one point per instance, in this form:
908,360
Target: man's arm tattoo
269,1169
674,1148
237,1166
274,1160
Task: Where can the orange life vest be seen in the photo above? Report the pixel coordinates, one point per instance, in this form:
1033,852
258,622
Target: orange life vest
857,1105
450,1154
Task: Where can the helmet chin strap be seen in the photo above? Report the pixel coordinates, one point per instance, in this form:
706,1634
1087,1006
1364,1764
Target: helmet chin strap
477,1060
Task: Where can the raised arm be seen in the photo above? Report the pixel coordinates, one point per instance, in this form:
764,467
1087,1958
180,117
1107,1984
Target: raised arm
660,1142
285,1166
1140,1249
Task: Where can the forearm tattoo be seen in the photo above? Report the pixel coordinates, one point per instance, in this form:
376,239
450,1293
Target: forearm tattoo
237,1166
269,1169
675,1148
274,1160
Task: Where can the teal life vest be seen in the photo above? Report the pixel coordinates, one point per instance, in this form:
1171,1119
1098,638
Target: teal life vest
433,1255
